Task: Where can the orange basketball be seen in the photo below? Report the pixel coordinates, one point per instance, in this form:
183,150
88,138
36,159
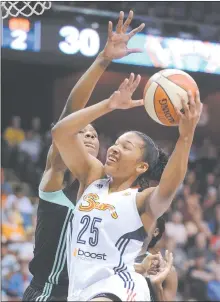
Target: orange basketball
161,94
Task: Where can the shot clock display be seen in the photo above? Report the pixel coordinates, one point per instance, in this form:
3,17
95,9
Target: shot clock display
86,41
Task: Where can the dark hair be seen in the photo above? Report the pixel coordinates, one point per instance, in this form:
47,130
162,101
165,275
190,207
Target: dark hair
161,226
18,189
156,159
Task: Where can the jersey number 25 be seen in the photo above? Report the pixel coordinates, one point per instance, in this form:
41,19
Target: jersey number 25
86,221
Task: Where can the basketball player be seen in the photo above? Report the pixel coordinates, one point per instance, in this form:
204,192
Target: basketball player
48,267
109,216
171,281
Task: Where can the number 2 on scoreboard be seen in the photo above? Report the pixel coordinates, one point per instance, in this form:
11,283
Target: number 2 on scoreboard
19,43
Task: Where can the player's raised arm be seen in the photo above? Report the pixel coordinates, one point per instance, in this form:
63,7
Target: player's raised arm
85,167
174,173
115,48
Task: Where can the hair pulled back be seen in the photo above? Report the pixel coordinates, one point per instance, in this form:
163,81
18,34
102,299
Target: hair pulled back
161,222
156,159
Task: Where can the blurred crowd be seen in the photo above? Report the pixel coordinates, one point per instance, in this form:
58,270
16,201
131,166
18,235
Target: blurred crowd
184,10
192,228
197,20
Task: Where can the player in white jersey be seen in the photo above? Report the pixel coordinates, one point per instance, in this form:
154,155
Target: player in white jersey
110,217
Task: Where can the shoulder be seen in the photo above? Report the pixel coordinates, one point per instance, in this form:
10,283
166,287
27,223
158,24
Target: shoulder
96,163
96,171
100,183
94,185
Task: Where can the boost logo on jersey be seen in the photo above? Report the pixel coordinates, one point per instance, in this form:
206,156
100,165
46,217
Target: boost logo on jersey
87,255
92,198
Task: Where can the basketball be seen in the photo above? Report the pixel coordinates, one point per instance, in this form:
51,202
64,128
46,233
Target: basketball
162,92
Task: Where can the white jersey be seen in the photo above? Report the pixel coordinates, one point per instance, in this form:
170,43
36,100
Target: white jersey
104,238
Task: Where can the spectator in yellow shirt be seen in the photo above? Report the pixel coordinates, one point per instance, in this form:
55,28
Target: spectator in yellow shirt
13,134
13,229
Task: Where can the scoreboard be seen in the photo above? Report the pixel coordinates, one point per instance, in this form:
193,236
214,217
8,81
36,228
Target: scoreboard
63,39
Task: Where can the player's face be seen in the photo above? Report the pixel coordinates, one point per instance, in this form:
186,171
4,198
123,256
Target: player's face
124,158
90,139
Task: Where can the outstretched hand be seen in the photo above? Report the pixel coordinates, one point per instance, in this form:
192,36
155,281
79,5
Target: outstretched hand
165,269
122,98
151,264
116,46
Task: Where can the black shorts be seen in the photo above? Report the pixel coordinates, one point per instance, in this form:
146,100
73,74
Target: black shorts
33,293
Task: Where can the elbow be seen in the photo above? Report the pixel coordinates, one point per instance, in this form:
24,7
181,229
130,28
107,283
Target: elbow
56,132
60,134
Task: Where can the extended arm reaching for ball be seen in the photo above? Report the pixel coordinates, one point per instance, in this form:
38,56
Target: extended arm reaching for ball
160,199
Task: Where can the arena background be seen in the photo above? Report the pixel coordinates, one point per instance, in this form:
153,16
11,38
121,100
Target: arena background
37,76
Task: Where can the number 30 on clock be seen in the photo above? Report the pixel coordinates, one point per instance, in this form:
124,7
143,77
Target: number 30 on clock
86,41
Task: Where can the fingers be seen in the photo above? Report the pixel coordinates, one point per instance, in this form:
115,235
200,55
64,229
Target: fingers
184,112
129,86
137,103
120,22
192,104
194,107
198,103
136,30
135,83
122,28
131,83
169,259
110,28
185,106
154,257
166,255
134,50
153,271
179,113
131,79
128,21
197,98
123,84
